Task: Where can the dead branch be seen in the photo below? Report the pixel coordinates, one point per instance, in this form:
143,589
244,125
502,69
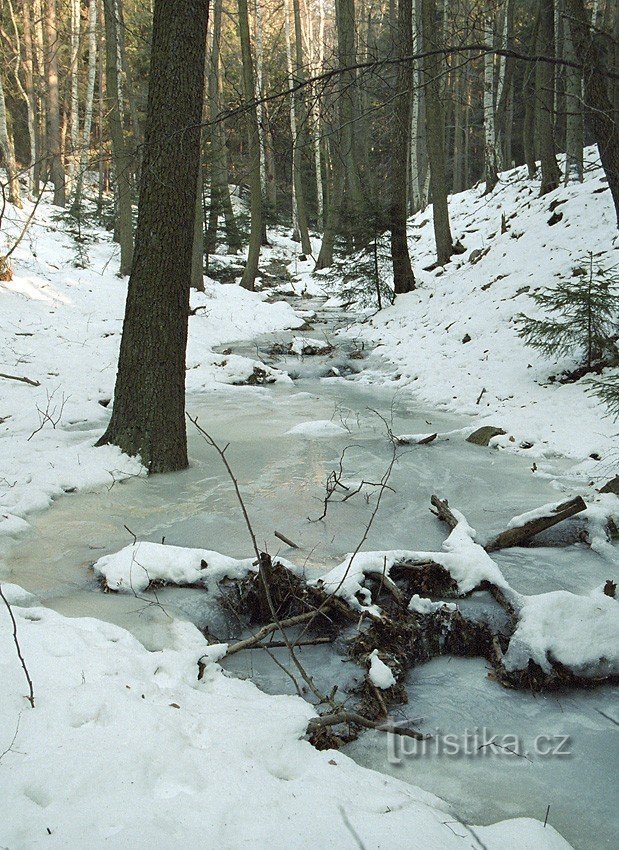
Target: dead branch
522,533
30,696
443,511
285,540
317,723
21,378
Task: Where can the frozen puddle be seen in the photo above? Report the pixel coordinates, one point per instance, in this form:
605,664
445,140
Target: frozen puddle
284,440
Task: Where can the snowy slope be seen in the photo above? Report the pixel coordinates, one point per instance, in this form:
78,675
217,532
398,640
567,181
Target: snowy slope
60,328
424,333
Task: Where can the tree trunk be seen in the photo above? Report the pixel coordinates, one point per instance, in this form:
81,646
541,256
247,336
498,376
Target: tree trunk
255,188
53,106
220,193
598,104
544,97
8,151
490,159
74,121
121,158
432,69
89,106
403,277
575,128
301,114
148,418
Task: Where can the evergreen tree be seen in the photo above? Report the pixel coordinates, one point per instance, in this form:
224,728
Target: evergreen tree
608,391
588,308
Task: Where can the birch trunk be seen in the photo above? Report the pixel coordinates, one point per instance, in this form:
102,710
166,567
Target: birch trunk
84,160
490,163
54,144
74,119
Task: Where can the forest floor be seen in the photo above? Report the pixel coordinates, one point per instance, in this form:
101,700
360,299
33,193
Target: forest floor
124,744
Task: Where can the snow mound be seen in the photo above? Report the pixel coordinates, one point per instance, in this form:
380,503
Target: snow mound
579,632
137,565
380,673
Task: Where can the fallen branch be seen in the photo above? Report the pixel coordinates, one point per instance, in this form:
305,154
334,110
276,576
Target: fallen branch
443,511
325,720
285,540
522,533
22,379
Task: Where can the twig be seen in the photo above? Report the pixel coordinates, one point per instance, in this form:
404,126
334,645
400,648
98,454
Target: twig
354,717
23,379
285,540
30,696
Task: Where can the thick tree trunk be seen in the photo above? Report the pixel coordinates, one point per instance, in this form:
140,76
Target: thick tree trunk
598,104
403,277
257,219
544,96
120,156
148,418
435,123
54,146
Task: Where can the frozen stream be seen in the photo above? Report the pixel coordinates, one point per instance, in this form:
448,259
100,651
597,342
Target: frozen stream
283,476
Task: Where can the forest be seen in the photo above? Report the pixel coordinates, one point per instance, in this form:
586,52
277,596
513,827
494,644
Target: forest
309,423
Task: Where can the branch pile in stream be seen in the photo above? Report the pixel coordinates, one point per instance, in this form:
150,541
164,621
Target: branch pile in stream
380,608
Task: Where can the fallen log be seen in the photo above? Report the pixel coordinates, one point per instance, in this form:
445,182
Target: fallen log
518,532
522,532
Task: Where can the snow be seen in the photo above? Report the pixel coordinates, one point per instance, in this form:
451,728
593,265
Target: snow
380,673
580,632
136,566
427,606
422,334
61,326
317,428
127,748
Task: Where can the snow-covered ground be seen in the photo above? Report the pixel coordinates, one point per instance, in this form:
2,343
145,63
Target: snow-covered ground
126,747
453,341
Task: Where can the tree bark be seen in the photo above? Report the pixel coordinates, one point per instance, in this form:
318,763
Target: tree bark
544,96
574,122
403,277
148,418
8,151
435,123
54,146
598,104
84,160
255,187
490,158
220,193
120,156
